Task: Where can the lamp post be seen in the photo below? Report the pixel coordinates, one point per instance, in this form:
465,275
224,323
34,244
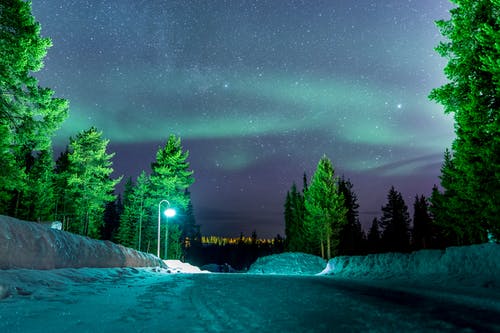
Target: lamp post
169,212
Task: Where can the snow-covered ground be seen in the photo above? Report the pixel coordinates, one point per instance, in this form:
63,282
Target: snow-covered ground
441,291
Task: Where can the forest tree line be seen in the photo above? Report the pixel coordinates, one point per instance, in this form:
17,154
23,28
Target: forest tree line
337,217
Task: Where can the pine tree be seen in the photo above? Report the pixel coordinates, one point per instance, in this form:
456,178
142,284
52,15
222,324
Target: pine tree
351,236
174,242
421,233
11,177
139,199
29,114
294,221
373,237
170,178
325,209
126,234
111,220
453,211
473,71
39,198
89,181
64,205
191,234
395,222
288,219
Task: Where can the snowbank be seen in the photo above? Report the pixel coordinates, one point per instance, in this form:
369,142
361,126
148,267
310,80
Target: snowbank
177,266
473,265
289,263
35,246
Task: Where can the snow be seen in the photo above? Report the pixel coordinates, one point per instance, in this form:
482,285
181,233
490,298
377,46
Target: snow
55,281
177,266
475,265
37,246
289,263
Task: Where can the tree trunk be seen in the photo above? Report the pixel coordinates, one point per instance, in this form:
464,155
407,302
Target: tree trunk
86,224
328,248
322,250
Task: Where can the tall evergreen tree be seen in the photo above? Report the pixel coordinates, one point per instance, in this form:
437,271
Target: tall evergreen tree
29,114
453,212
421,232
140,195
89,181
351,236
472,96
191,234
294,221
64,205
111,220
39,198
126,234
11,177
395,222
373,237
325,209
288,219
170,178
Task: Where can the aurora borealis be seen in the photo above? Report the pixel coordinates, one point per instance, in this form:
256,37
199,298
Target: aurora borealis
258,91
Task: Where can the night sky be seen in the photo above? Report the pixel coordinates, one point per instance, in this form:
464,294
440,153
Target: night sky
258,91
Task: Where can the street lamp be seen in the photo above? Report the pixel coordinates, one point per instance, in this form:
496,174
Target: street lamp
169,212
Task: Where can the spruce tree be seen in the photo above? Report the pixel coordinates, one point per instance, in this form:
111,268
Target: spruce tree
126,234
191,234
170,178
127,231
473,71
29,114
111,219
421,232
64,205
11,177
351,236
89,181
452,211
139,198
288,220
294,221
373,237
325,209
39,198
395,222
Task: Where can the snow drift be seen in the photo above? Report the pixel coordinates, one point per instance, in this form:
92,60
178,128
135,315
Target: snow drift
177,266
35,246
477,265
289,263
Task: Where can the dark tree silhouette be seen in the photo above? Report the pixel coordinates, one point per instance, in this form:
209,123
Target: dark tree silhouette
395,222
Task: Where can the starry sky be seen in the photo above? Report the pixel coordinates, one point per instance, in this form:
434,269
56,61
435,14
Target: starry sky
258,90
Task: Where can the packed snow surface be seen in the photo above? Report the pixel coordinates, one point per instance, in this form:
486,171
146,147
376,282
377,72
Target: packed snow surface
36,246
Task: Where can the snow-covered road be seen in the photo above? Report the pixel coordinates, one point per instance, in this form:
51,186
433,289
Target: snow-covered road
145,300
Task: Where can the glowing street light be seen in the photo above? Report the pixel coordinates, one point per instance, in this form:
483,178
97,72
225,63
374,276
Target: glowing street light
169,212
